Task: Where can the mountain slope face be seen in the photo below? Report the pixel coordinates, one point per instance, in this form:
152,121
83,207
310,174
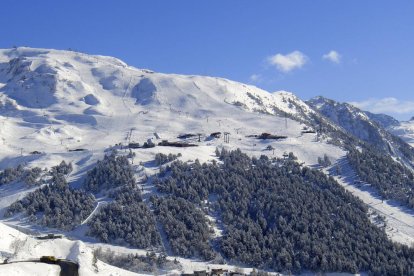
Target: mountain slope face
96,85
405,130
62,100
365,126
383,120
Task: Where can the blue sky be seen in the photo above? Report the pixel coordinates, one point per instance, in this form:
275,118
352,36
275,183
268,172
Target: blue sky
354,51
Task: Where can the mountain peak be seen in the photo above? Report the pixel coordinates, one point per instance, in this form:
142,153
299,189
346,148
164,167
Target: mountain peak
97,85
320,101
54,55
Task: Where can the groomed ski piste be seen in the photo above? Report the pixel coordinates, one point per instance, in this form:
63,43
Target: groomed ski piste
71,106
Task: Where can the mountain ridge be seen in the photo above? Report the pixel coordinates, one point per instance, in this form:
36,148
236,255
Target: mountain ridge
366,126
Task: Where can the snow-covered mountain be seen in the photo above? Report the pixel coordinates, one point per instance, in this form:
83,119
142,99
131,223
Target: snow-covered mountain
64,105
369,127
405,130
62,100
96,85
383,120
402,129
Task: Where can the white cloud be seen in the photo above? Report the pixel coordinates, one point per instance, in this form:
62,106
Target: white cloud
288,62
255,78
333,56
386,105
